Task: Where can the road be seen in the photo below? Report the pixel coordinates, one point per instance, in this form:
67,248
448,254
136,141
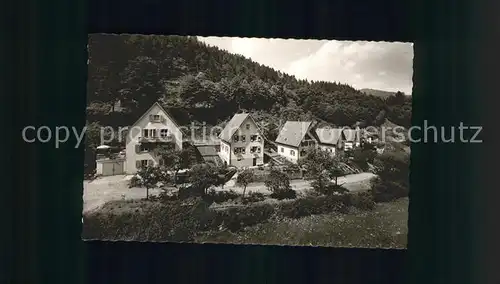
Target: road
354,182
104,189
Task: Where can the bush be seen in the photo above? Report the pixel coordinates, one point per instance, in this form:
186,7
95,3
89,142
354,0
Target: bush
236,218
323,185
214,196
189,192
393,171
362,200
135,181
280,195
148,221
314,205
253,197
278,183
384,190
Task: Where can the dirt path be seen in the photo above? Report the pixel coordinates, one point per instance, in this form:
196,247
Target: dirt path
105,189
354,182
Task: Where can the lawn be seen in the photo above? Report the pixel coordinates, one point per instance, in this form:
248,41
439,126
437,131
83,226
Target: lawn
385,227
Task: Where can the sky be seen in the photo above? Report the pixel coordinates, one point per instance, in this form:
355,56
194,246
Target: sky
386,66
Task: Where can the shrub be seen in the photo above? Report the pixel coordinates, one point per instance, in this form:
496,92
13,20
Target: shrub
149,221
384,190
362,200
236,218
323,185
135,181
279,184
189,191
280,195
253,197
214,196
393,171
314,205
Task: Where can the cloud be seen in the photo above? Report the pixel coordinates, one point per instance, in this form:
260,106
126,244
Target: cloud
376,65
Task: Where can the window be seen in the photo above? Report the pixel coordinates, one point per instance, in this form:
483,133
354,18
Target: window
145,133
282,149
144,148
248,126
235,138
292,152
164,133
255,149
153,133
155,117
253,138
144,163
243,138
239,150
259,139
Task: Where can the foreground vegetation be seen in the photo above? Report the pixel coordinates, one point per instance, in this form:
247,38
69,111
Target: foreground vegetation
386,226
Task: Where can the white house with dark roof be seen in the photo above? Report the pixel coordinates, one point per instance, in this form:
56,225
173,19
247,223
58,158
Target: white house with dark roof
242,142
154,128
330,139
294,138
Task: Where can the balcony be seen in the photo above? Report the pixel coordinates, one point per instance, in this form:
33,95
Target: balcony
308,143
155,139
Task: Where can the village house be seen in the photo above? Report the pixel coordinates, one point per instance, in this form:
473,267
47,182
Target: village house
330,139
153,129
352,138
294,138
242,142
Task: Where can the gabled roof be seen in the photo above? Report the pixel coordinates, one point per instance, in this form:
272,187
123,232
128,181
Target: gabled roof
206,150
329,135
162,109
293,132
351,135
234,124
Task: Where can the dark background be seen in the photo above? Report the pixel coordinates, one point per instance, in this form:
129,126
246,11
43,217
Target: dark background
44,68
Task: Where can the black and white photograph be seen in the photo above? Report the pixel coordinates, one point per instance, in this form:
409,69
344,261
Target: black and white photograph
235,140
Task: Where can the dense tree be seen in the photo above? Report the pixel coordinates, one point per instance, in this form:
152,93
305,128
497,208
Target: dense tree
203,176
392,181
176,160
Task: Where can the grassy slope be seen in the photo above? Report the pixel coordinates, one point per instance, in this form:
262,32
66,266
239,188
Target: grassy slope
385,227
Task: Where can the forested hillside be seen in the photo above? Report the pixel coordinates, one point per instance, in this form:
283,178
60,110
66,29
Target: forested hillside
196,82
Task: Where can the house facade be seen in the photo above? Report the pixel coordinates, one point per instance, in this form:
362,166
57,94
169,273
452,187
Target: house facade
153,129
330,139
242,142
352,138
294,138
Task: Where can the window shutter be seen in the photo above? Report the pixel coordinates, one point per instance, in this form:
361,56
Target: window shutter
138,164
137,148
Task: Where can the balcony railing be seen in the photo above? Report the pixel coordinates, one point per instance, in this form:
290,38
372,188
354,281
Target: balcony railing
155,139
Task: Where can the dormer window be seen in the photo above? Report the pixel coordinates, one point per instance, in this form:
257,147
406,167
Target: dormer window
248,126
